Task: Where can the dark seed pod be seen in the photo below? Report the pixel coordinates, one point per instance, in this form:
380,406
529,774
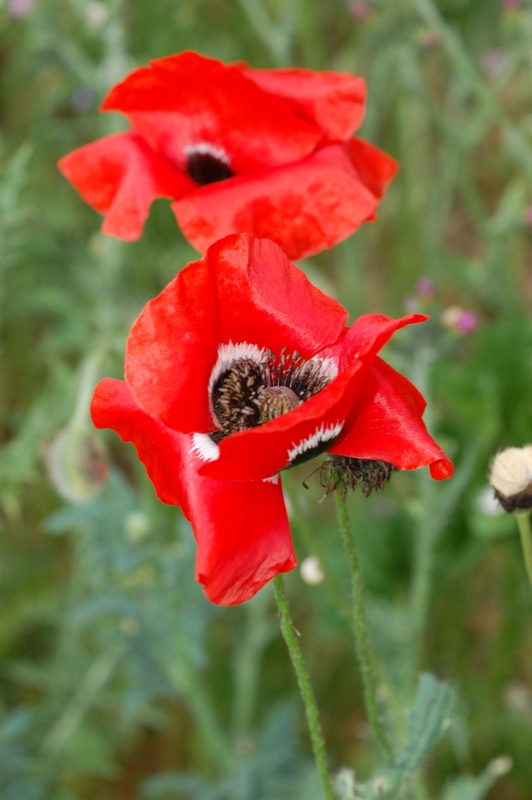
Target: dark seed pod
340,473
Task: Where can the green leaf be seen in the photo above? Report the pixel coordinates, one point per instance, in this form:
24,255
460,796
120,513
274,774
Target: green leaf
468,787
427,720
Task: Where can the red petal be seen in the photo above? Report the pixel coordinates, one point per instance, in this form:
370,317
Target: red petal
188,99
370,332
386,425
244,290
158,447
241,528
262,451
243,537
120,176
333,100
171,350
374,167
304,207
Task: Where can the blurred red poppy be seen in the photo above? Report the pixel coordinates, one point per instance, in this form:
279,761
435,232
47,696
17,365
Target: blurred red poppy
267,152
239,369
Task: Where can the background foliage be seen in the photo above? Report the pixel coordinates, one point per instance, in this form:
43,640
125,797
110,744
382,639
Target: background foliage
117,678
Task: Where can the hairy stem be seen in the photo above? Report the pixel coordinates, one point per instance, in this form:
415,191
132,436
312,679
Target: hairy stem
311,708
523,522
365,654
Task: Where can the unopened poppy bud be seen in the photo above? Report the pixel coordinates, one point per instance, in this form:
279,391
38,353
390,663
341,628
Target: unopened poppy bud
77,463
311,571
511,477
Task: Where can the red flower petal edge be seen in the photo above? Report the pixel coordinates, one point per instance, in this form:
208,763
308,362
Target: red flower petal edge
267,152
241,528
219,343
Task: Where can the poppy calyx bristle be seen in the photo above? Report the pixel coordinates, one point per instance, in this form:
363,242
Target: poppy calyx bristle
341,473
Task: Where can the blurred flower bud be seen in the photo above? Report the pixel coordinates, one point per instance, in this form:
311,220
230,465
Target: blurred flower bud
425,287
528,216
500,766
360,10
137,526
459,320
96,14
311,571
511,5
511,477
77,463
20,8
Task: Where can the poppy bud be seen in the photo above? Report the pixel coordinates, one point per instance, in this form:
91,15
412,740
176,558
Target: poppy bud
311,571
511,478
77,463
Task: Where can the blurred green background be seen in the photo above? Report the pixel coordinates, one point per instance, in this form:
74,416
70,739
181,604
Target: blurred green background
117,679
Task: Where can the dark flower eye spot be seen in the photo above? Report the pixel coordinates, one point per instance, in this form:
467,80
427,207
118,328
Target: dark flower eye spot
206,164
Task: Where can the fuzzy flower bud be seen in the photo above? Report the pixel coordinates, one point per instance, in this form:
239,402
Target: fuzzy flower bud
511,477
77,463
311,571
459,320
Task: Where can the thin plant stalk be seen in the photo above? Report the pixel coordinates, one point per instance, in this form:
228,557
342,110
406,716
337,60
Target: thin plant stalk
523,523
314,547
307,694
365,654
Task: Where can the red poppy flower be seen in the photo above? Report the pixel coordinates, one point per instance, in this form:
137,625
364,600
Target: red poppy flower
267,152
239,369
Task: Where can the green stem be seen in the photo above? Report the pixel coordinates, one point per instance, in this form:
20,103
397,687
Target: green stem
311,708
523,522
364,650
314,547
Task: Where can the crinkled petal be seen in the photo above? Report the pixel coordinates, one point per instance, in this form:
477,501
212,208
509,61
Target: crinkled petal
333,100
304,207
366,329
243,537
319,422
243,291
188,99
159,448
120,176
386,425
241,528
171,350
374,167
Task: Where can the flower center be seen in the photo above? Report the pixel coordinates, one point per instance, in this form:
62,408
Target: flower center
206,164
251,392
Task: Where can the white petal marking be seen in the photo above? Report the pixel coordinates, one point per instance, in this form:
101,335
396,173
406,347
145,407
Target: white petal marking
329,367
206,149
324,433
204,447
274,479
